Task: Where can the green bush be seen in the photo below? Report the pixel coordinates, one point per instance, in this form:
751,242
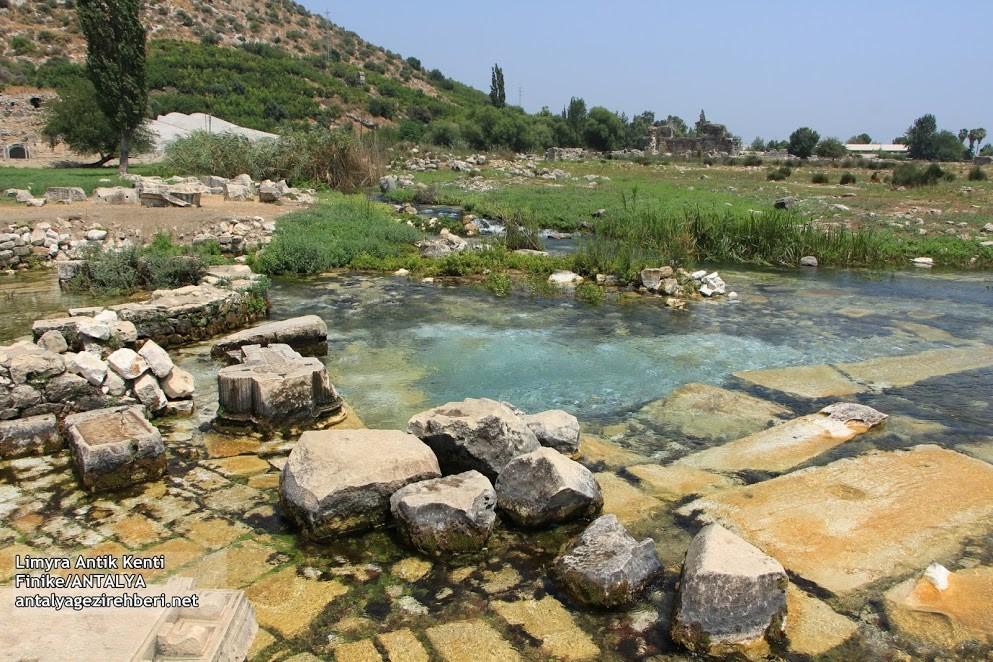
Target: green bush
820,178
333,234
590,293
912,175
522,233
752,160
977,174
779,174
159,265
498,283
847,178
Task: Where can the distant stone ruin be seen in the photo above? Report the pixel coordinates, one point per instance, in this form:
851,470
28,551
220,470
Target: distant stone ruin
709,139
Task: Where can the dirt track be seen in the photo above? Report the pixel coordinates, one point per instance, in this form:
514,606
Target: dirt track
133,220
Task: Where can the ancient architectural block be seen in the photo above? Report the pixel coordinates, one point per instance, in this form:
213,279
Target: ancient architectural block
113,448
307,335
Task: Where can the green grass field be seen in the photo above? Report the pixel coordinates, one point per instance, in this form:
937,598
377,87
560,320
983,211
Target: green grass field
38,180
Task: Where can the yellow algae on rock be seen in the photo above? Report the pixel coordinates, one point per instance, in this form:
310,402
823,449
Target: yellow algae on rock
597,452
859,520
813,628
673,482
402,646
357,651
550,623
470,641
961,613
899,371
411,568
624,500
711,412
287,603
778,448
808,381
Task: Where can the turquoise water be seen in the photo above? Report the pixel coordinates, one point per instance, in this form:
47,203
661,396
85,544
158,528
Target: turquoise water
398,347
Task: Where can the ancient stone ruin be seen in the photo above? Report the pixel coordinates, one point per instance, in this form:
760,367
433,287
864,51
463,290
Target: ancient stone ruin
709,139
114,448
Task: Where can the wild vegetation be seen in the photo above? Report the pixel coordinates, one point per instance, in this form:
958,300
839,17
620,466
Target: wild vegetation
161,264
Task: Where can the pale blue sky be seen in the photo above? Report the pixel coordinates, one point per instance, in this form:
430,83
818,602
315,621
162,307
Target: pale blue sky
762,68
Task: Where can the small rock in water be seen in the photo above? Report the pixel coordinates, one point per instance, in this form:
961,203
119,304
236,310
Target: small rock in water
556,429
545,487
565,278
938,575
923,262
605,566
808,261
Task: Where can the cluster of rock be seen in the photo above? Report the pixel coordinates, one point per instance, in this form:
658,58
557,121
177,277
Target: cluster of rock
565,154
446,242
228,297
44,381
20,244
243,235
679,284
443,481
428,162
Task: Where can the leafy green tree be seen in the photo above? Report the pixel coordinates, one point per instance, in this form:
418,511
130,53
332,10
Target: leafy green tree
678,124
830,148
636,131
860,139
603,130
115,61
963,134
77,120
946,146
920,137
575,117
758,145
802,142
498,91
986,151
979,135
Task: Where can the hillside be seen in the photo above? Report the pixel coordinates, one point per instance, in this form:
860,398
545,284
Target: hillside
261,64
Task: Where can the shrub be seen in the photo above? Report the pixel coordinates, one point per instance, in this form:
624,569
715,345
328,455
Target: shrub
318,156
977,174
160,265
910,174
752,160
590,293
779,174
498,283
522,234
334,234
847,178
380,107
820,178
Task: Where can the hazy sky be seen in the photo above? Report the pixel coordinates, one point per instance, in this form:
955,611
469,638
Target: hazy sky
761,67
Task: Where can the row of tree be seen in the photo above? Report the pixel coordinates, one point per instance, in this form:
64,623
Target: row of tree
923,139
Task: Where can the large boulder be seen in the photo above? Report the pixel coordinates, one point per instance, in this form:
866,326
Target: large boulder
480,434
556,429
732,597
446,515
605,566
545,487
159,361
442,245
336,481
651,279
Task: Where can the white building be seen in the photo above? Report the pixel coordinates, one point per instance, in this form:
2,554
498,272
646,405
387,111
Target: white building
877,149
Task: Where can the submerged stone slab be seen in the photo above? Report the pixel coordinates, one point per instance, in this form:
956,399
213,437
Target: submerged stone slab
550,623
732,597
786,445
711,412
274,386
114,448
844,379
446,515
479,434
812,627
809,381
674,482
947,617
862,519
336,481
470,641
307,335
34,435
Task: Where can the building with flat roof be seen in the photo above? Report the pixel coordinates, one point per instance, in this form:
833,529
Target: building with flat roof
876,148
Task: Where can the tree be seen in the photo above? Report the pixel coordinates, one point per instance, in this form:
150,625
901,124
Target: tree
758,145
115,62
963,134
636,131
679,126
946,146
920,137
498,92
860,139
603,130
986,151
802,142
575,118
980,135
830,148
77,120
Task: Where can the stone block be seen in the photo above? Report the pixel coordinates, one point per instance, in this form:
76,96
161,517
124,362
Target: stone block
114,448
35,435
